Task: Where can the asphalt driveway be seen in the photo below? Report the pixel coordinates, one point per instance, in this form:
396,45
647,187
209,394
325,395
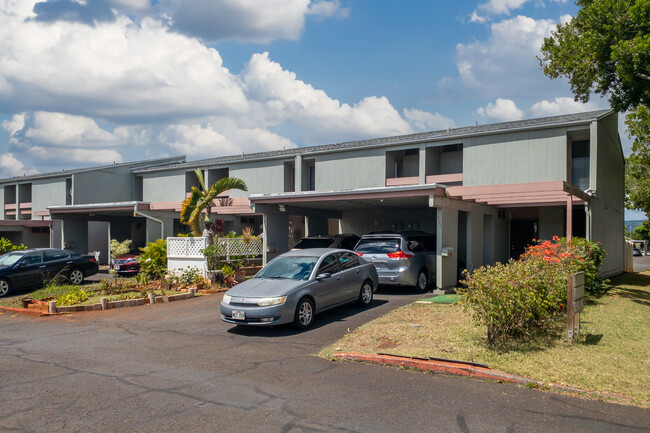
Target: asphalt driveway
177,367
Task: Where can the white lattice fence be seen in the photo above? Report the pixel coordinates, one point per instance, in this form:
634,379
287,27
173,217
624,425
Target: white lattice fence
229,247
183,253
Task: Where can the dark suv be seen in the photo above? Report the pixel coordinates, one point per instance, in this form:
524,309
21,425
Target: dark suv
401,259
345,241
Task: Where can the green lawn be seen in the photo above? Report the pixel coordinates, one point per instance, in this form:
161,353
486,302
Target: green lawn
611,355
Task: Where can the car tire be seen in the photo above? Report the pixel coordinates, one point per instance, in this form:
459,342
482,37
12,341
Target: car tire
365,294
304,316
5,288
76,276
422,283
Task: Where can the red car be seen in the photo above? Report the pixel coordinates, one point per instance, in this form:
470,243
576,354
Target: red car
126,264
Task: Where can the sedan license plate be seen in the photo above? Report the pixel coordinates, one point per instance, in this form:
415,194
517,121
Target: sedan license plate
238,315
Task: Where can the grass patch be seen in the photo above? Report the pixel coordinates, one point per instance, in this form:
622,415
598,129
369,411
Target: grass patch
610,355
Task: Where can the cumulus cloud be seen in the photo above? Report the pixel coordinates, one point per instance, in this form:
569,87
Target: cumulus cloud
87,90
561,106
10,166
284,98
498,7
502,110
423,120
505,63
248,20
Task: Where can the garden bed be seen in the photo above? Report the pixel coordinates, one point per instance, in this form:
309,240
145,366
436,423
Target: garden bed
610,355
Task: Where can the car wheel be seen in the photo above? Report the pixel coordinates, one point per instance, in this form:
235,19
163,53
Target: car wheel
304,316
76,276
4,287
365,294
423,282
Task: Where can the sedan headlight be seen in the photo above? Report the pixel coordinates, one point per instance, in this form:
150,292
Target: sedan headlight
226,299
265,302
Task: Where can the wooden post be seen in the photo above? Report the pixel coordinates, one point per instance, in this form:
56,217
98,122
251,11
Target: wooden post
569,217
104,302
569,309
51,307
574,304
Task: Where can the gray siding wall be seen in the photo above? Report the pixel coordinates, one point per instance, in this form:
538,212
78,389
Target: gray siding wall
607,208
103,186
47,192
2,202
163,186
529,156
260,177
343,170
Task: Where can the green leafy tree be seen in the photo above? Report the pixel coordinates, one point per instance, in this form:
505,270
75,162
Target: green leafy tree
604,49
200,200
637,169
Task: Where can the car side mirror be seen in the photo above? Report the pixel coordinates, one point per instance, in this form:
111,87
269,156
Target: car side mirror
22,264
323,276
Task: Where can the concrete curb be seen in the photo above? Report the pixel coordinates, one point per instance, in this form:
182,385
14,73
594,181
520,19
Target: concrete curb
453,368
477,372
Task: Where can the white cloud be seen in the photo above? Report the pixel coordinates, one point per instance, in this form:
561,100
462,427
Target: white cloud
423,120
219,137
281,97
126,70
476,18
64,130
498,7
505,63
44,136
561,106
10,166
248,20
503,110
325,8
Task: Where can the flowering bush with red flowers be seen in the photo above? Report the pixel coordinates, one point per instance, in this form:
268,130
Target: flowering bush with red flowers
526,296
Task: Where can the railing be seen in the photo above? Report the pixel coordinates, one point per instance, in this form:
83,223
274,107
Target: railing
183,253
229,247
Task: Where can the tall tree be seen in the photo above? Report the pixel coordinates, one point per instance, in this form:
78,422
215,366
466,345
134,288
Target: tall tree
605,49
200,200
637,170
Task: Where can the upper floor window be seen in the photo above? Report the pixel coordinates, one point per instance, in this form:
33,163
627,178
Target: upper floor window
402,163
580,164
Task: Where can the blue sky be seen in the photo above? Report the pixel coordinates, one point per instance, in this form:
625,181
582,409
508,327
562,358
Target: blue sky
91,82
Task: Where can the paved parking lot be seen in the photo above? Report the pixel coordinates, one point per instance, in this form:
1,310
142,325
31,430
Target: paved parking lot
177,367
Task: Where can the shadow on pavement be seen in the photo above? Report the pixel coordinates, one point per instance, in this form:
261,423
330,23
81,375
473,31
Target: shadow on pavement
322,319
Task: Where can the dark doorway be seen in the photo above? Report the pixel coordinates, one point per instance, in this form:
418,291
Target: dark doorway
522,234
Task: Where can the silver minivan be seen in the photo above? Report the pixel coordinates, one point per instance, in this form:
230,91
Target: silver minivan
401,259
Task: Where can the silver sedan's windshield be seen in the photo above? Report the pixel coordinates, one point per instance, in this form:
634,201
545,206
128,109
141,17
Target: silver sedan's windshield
291,267
10,258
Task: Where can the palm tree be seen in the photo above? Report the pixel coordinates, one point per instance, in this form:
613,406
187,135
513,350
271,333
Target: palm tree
200,200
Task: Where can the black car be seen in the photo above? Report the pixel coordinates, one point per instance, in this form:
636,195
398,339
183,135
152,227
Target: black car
30,268
345,241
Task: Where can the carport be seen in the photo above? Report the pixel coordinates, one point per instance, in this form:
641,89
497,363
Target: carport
90,227
463,229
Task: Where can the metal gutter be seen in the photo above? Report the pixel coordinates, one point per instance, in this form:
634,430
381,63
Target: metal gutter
162,224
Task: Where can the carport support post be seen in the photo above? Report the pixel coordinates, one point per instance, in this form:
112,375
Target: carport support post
446,237
474,240
276,235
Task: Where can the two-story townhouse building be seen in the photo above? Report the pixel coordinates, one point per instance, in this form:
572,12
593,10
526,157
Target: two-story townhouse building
54,209
485,191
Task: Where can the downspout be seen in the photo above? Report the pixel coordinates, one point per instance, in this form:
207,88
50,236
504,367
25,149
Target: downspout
136,212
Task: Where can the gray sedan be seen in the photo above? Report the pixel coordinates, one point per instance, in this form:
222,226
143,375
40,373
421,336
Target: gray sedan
295,286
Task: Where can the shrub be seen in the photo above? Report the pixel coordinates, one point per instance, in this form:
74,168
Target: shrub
153,259
187,277
526,296
7,246
119,248
72,297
